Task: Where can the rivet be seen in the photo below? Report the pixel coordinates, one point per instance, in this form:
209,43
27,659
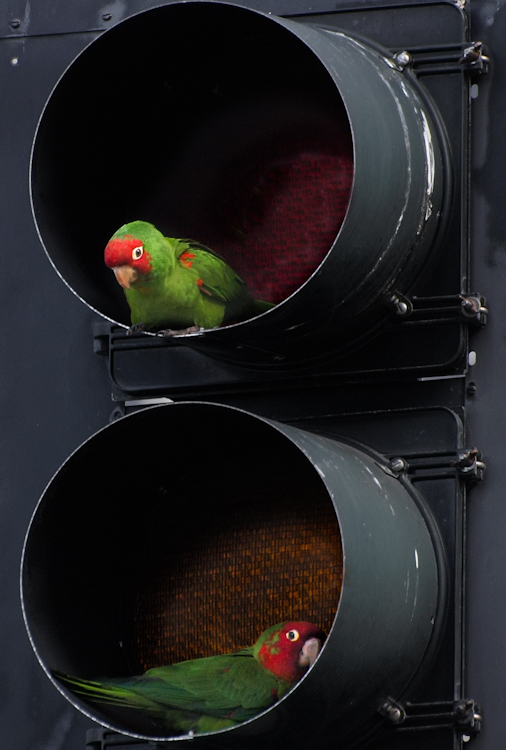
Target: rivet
15,23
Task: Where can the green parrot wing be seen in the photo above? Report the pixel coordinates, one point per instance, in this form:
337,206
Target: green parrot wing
216,278
114,692
232,686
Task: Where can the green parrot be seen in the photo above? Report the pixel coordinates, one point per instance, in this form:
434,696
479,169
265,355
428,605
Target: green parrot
176,284
215,692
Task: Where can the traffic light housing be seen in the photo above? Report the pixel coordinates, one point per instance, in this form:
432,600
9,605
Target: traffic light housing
278,524
318,168
359,349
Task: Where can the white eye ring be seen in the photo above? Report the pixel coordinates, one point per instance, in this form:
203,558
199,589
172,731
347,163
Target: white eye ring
137,252
293,635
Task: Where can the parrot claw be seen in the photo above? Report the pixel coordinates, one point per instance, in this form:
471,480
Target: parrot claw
137,328
166,332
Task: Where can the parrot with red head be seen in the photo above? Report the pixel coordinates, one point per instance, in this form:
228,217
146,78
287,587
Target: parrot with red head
176,286
214,692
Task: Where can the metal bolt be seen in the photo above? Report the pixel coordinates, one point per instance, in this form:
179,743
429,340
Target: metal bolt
392,711
400,305
472,307
106,16
402,59
473,53
466,460
397,465
15,23
470,304
395,715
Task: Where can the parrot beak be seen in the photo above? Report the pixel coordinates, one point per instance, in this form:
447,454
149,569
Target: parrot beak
125,275
309,652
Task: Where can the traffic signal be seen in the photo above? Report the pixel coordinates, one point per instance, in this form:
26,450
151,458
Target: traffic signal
315,463
292,148
278,523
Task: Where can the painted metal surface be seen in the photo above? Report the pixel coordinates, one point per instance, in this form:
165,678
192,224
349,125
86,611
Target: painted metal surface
56,393
399,176
389,604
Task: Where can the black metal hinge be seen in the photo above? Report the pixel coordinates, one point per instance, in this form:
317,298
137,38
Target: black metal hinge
464,715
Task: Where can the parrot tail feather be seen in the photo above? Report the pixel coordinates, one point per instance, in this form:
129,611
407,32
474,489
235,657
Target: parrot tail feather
260,306
110,694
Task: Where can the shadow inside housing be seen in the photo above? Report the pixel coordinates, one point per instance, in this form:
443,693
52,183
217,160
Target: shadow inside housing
210,121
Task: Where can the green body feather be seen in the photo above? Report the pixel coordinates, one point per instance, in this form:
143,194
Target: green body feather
215,692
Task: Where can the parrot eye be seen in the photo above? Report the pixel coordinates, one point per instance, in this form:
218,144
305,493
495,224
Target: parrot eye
293,635
137,252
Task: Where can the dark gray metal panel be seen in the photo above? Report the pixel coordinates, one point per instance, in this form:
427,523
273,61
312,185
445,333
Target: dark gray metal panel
42,389
22,18
486,591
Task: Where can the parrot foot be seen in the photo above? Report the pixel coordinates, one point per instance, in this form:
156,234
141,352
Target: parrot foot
137,328
166,332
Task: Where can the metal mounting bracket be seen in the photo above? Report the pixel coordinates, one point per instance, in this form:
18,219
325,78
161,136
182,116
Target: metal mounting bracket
444,58
467,463
464,715
469,308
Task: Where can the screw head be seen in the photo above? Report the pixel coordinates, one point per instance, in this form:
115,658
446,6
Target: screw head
402,59
397,464
395,715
